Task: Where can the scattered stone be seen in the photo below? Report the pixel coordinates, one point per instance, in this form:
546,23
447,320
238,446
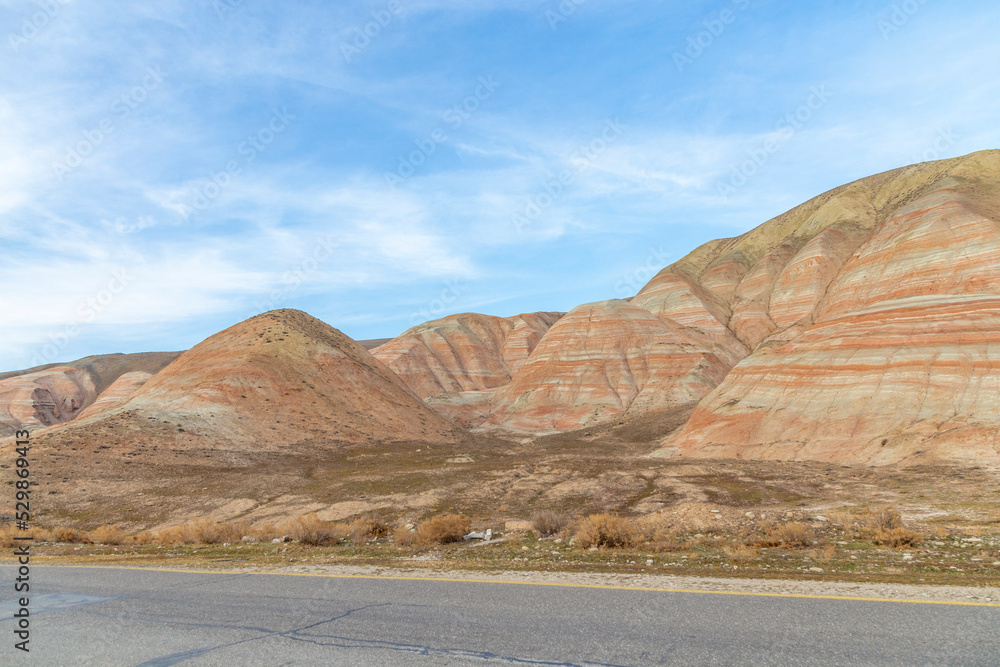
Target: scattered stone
815,569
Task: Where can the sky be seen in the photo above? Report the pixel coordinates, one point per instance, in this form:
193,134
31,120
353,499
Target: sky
170,168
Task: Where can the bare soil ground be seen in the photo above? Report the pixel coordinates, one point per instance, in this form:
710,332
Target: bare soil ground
717,514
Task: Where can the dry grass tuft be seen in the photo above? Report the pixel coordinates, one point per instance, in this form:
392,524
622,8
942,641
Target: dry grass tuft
791,535
658,532
143,538
885,520
70,535
106,535
824,554
606,530
443,529
265,532
897,538
365,528
549,522
742,553
310,529
404,537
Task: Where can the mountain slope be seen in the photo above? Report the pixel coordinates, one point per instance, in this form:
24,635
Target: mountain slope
279,379
57,393
604,361
890,353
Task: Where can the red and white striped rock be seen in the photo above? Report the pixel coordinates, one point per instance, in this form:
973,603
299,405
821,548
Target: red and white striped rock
466,352
603,361
903,361
47,397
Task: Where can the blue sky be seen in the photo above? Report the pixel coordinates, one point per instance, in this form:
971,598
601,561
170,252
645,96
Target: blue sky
168,169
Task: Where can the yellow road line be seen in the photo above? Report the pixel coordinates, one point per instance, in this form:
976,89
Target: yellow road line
550,583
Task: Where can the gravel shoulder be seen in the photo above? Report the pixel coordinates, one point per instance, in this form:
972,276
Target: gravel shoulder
881,591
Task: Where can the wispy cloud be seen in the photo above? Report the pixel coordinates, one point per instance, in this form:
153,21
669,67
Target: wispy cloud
153,145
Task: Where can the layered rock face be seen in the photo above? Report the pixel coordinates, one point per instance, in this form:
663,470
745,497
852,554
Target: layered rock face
55,394
279,379
41,399
458,362
731,301
119,392
878,347
603,361
467,352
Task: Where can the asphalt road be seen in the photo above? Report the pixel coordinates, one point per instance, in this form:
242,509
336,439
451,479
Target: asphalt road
107,616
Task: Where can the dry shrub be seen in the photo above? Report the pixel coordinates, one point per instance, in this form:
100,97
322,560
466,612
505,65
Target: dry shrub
143,538
443,529
207,531
898,537
70,535
7,534
265,532
404,537
741,553
824,554
658,533
364,528
606,530
310,529
173,535
106,534
549,522
885,520
792,534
